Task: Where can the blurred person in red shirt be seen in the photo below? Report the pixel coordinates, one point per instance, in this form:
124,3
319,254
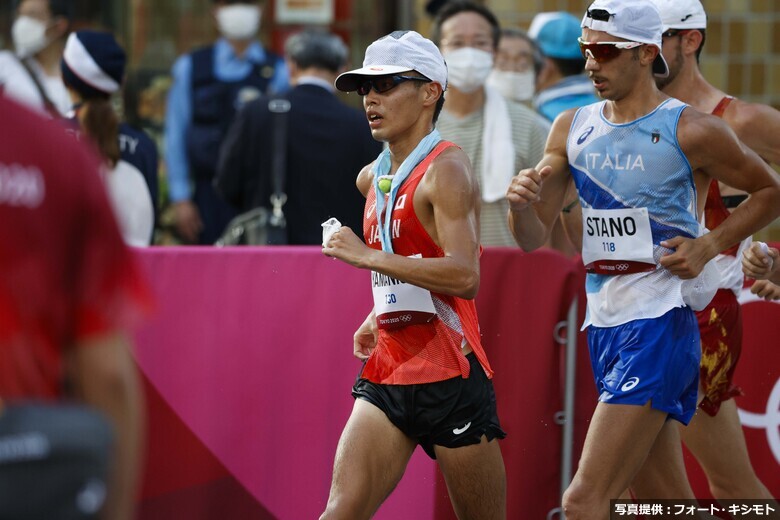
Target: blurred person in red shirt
70,402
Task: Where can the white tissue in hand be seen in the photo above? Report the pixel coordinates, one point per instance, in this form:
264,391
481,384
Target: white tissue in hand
329,227
765,249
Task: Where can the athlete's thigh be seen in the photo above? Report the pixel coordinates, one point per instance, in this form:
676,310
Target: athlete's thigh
663,474
476,479
617,443
718,443
370,459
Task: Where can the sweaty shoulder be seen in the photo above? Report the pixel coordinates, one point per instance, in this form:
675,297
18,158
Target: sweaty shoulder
559,131
757,125
365,178
451,169
695,126
563,120
701,135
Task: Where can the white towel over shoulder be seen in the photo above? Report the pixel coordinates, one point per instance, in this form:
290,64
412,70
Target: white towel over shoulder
498,150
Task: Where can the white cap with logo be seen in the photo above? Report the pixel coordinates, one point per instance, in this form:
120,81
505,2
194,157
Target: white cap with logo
633,20
681,14
400,51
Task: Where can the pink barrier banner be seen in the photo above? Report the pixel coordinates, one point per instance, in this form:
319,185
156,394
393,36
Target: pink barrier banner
248,369
521,301
250,356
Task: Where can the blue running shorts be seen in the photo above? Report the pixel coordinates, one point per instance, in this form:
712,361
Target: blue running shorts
653,360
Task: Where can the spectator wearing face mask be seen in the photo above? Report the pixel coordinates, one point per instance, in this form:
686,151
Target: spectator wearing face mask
209,86
561,84
518,61
500,136
31,73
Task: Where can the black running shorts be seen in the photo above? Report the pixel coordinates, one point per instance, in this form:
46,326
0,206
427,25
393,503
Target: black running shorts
451,413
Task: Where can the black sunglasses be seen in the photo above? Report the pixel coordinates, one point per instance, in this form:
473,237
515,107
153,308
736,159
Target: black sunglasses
385,83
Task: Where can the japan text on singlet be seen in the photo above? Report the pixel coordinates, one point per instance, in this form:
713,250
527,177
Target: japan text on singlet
428,348
636,189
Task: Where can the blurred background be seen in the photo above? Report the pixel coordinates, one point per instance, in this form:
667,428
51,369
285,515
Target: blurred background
741,56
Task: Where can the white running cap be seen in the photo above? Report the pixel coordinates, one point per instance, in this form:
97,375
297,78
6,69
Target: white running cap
633,20
681,14
400,51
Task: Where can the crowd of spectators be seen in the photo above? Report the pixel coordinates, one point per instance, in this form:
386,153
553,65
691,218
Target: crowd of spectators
503,84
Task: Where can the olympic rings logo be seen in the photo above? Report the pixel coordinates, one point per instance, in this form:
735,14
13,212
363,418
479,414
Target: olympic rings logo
770,420
406,317
622,267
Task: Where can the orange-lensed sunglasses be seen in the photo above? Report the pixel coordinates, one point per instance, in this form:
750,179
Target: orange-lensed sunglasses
603,52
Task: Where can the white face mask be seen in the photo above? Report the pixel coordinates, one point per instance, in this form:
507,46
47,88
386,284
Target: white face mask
517,86
29,36
238,21
468,68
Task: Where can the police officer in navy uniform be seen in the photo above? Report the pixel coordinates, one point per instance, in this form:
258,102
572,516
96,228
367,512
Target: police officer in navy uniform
332,142
209,86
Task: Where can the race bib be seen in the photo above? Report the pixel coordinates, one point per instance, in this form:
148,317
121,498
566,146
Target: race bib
398,304
617,241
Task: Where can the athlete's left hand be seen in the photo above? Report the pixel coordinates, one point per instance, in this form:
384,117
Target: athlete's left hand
347,247
766,290
689,256
759,262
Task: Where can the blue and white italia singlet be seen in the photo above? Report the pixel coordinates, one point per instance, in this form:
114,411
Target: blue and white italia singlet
636,189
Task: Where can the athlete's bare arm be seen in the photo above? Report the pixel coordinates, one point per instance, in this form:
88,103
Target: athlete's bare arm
536,195
714,152
758,126
365,338
365,179
446,201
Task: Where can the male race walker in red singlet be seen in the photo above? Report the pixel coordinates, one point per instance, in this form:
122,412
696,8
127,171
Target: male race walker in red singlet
426,379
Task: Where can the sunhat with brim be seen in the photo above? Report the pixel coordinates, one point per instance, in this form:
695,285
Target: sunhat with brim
400,51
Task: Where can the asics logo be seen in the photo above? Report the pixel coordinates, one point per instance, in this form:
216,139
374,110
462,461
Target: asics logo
458,431
628,385
584,135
